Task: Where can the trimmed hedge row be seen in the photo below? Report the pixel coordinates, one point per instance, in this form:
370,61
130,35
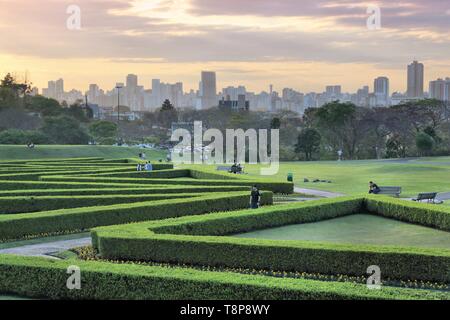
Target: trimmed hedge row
201,241
161,174
43,278
277,187
132,166
15,205
134,191
29,185
38,174
206,175
52,160
423,214
20,225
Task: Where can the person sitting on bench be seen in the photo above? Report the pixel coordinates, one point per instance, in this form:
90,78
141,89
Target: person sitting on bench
374,188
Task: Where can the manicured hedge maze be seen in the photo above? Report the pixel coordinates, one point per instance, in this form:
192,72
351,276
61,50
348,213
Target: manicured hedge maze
183,217
203,241
84,193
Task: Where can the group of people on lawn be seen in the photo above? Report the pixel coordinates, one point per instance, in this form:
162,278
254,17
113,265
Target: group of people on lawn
236,168
144,167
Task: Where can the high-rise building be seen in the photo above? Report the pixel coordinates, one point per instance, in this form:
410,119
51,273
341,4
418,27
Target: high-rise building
440,89
132,81
437,89
208,90
447,89
156,92
362,96
415,80
59,88
381,90
333,92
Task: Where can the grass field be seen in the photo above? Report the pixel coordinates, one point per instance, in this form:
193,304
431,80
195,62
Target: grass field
358,229
12,152
352,177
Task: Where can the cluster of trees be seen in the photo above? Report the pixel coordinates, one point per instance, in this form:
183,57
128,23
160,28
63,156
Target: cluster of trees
28,119
416,128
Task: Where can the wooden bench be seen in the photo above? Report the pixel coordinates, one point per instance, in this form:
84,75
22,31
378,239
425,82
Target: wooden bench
230,169
430,197
391,191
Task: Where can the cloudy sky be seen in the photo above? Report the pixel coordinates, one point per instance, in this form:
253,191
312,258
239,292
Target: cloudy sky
303,44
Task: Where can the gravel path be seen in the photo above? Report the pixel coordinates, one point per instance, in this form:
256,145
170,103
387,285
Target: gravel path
318,193
46,249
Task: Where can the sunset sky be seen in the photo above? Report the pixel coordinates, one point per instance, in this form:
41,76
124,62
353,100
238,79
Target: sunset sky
303,44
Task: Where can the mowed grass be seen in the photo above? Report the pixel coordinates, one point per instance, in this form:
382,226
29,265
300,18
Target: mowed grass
20,152
359,229
352,177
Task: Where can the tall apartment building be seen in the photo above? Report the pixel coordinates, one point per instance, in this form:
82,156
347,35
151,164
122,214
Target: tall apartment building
381,91
208,90
415,80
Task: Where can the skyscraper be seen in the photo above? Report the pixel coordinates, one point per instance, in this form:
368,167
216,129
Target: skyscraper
415,80
156,92
381,90
59,87
333,92
132,81
208,90
439,89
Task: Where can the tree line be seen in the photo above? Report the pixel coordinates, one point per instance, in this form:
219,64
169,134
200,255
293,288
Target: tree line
415,128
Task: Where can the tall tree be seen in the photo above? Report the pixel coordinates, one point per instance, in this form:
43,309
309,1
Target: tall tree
167,114
308,142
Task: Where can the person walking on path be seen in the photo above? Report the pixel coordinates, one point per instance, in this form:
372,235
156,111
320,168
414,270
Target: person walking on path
255,198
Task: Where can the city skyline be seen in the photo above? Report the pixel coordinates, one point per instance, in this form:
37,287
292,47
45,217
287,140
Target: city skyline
140,98
305,45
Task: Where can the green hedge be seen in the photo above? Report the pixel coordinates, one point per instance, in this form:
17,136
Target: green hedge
36,175
20,225
201,241
43,278
132,166
12,185
206,175
15,205
423,214
110,191
161,174
274,186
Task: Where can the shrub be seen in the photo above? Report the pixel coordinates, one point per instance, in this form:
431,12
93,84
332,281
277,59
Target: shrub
14,136
274,186
14,205
201,241
38,278
21,225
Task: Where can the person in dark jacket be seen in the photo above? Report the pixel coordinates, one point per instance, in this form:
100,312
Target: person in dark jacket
255,198
374,188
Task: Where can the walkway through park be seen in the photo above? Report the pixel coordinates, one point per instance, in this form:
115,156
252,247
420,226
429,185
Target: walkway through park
47,249
318,193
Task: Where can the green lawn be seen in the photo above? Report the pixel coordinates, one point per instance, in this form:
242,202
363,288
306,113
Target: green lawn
352,177
12,152
359,229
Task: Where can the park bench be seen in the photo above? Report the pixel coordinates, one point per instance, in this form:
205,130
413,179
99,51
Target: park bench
430,197
223,168
392,191
229,169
